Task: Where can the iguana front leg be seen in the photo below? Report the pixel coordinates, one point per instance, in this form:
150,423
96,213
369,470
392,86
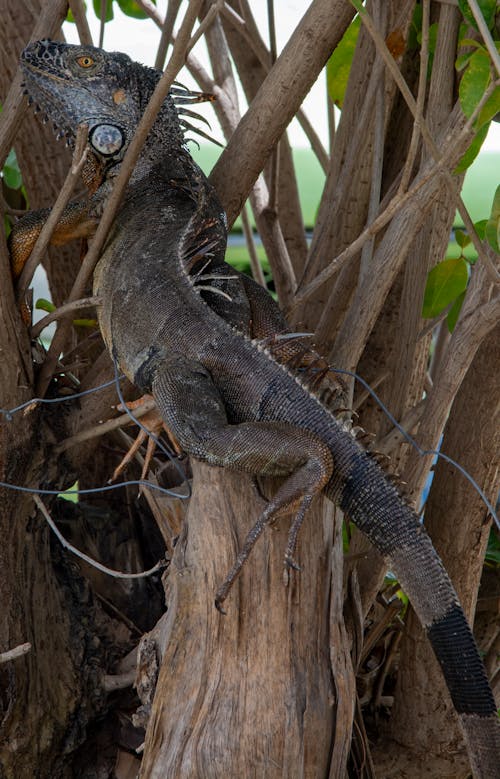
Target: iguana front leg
193,410
76,222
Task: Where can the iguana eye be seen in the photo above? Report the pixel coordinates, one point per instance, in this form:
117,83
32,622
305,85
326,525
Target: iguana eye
85,61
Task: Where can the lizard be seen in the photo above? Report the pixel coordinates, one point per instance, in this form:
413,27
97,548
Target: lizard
232,384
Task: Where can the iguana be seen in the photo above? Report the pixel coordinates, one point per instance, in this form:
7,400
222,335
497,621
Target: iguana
211,346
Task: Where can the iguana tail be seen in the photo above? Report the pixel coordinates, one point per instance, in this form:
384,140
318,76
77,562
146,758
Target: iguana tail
363,491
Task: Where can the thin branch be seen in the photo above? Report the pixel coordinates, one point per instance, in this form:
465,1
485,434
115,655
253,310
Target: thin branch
114,201
12,654
394,205
43,240
410,101
207,21
257,271
112,682
152,11
109,571
422,82
82,25
166,32
277,102
103,23
314,139
62,311
486,34
105,427
397,203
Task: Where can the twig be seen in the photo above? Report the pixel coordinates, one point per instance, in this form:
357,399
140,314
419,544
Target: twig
167,29
314,139
62,311
257,271
275,105
486,34
422,81
397,202
410,101
152,11
275,156
106,427
127,166
82,25
103,22
43,240
208,20
112,682
115,574
12,654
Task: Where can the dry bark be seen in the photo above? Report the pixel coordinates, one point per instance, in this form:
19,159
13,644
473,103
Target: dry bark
250,693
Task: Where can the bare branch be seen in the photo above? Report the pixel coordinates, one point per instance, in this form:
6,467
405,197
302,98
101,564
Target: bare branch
105,427
422,81
12,654
410,101
62,311
43,240
296,69
82,25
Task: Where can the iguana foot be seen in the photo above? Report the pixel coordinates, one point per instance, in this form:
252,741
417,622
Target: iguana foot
154,425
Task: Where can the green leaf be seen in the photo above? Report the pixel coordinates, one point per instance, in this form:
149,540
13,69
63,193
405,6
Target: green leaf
462,238
462,60
130,8
490,109
445,282
454,312
85,322
415,28
339,65
492,229
45,305
480,228
475,147
11,173
108,9
487,8
474,81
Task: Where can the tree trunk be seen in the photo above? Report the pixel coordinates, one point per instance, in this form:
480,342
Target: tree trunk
251,693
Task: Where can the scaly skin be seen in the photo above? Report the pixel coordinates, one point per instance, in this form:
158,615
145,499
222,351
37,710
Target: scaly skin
232,393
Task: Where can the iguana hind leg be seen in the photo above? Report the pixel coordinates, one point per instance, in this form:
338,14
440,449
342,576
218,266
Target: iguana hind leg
193,410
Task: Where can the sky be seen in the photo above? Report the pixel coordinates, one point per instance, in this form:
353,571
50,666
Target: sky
139,39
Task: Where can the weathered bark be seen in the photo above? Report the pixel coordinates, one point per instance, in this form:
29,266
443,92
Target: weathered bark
250,693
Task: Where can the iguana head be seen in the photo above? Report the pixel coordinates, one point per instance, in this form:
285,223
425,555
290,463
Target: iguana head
76,85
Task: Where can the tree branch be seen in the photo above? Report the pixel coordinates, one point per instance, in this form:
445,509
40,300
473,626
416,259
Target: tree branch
278,101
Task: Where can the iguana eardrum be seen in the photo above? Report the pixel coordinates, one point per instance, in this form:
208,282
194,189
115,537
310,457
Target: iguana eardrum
211,347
